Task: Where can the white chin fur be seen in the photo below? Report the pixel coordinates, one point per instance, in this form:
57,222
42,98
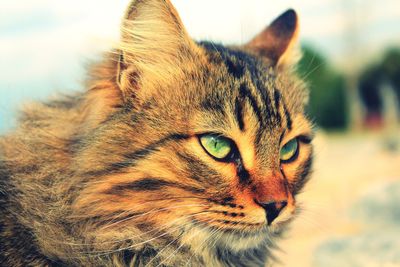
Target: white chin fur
203,238
237,242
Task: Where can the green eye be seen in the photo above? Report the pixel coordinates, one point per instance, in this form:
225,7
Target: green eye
289,151
217,146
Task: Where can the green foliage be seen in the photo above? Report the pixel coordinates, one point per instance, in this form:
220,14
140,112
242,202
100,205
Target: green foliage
374,75
328,104
391,68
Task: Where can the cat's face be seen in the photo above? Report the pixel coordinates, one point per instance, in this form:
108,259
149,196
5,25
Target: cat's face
211,144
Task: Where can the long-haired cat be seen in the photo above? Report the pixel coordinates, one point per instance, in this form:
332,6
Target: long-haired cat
179,153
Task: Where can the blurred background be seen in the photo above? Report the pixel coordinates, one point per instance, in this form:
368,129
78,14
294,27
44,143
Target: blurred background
351,61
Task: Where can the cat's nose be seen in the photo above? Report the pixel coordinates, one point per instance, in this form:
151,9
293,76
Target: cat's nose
272,209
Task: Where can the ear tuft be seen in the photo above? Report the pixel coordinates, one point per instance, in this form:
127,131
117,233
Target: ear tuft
276,42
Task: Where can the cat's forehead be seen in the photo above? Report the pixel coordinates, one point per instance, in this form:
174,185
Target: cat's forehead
239,63
245,92
238,68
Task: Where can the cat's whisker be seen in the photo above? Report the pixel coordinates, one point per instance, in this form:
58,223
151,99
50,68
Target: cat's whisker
149,240
169,198
314,223
156,200
106,252
305,76
310,62
151,212
141,234
118,241
165,209
186,217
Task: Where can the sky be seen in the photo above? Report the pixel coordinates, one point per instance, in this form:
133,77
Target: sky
45,44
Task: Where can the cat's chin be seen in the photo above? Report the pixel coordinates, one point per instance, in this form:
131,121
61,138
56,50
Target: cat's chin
235,240
241,240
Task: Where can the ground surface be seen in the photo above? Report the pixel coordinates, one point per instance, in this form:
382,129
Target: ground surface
352,206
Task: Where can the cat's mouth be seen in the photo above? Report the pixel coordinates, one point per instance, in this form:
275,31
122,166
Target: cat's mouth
226,225
231,217
244,227
241,223
235,234
244,223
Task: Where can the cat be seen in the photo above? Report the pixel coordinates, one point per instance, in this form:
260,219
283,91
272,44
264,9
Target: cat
179,153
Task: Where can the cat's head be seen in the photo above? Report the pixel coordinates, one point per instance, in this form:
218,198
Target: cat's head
201,143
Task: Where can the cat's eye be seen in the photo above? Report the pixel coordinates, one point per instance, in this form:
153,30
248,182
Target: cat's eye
217,146
289,151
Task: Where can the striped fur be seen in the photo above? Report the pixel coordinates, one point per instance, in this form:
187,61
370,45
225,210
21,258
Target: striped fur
116,175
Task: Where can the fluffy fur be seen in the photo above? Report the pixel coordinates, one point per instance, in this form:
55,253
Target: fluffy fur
116,175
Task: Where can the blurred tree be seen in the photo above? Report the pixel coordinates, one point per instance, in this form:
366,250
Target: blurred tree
328,104
391,69
369,84
373,77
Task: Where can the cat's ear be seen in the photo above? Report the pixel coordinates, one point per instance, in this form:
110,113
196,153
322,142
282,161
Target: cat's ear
278,42
154,45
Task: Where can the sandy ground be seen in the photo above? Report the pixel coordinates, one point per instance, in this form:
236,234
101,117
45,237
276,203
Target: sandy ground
345,168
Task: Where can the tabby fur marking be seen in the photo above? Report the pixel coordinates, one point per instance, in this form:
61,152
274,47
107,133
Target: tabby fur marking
117,175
